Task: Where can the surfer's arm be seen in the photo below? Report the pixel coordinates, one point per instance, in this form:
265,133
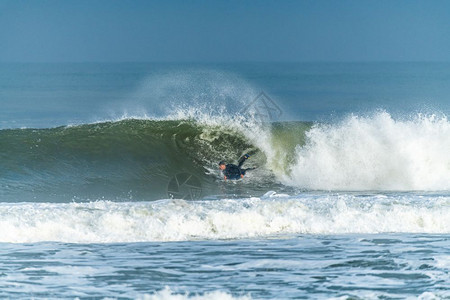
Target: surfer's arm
243,159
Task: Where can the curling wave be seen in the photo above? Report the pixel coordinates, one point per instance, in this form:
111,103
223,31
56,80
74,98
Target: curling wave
137,159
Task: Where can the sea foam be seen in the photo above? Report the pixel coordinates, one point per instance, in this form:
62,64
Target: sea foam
179,220
169,294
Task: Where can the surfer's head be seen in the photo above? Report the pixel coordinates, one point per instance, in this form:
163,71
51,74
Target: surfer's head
222,165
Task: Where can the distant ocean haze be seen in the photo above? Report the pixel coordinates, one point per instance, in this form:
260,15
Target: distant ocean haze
48,95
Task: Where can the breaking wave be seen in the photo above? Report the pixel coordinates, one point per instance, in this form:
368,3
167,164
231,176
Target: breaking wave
136,159
375,153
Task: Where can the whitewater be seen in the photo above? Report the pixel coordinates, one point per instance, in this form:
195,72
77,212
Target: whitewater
376,153
122,197
266,217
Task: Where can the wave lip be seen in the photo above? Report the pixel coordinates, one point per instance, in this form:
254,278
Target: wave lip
179,220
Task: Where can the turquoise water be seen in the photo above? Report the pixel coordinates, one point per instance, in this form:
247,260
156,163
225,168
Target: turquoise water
109,185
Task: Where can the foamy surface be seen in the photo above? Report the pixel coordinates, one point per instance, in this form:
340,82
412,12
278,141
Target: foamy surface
268,216
348,266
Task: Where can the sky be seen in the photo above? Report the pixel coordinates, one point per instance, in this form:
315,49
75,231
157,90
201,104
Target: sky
224,31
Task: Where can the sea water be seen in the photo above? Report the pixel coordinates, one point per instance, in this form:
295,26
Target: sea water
110,188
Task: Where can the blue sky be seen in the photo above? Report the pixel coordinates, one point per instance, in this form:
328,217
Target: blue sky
223,31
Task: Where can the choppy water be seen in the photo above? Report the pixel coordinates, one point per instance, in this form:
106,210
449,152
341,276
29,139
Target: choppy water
394,266
109,185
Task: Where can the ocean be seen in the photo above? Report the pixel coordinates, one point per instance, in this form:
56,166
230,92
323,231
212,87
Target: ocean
110,187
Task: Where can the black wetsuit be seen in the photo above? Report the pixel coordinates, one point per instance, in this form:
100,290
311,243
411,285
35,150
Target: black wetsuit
234,172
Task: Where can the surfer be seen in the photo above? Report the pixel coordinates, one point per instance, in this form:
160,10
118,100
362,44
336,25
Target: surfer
234,172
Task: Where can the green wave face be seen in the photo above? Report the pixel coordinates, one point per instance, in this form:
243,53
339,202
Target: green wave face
159,159
134,159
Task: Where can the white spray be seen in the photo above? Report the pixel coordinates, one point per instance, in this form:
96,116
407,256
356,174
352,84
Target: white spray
375,153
